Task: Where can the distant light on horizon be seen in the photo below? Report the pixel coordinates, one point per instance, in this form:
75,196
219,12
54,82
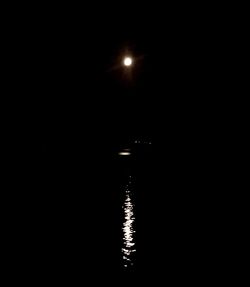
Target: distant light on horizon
142,142
127,61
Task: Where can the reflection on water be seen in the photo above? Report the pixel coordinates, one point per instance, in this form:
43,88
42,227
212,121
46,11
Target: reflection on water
128,249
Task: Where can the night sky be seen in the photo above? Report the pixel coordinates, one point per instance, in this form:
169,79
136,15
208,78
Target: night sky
78,106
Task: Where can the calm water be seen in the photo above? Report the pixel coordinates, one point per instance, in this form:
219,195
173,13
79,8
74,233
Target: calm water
128,226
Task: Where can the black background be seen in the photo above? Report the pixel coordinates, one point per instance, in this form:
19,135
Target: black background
74,107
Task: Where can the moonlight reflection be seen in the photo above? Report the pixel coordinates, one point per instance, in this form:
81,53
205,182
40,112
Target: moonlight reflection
128,228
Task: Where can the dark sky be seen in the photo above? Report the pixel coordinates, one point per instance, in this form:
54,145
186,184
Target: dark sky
70,76
71,91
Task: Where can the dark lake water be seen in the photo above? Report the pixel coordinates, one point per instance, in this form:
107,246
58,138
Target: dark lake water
84,209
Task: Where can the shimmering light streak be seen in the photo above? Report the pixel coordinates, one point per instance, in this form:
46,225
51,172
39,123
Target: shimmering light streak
128,229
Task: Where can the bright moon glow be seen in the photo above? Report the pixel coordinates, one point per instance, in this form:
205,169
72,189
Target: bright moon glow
127,61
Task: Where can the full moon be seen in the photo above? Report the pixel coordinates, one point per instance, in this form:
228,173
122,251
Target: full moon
127,61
